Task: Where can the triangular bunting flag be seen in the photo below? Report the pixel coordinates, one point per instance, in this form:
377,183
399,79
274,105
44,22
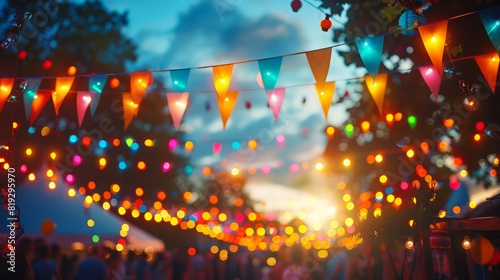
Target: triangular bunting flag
217,148
275,98
96,85
177,103
29,94
434,37
432,79
226,106
488,63
63,85
370,50
491,22
6,85
39,102
83,100
179,79
222,78
319,61
270,70
139,82
130,109
377,89
325,94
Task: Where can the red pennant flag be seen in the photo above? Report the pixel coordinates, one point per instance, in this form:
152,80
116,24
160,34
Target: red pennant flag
39,101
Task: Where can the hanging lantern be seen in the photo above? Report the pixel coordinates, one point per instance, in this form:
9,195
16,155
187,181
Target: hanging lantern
409,243
466,243
409,21
296,5
326,24
417,6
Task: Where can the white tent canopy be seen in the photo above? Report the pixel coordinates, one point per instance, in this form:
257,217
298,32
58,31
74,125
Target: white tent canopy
38,203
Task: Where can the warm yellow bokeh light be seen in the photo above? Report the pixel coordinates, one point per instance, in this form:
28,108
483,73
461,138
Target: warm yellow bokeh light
319,166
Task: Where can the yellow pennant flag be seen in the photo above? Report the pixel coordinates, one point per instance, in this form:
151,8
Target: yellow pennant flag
222,78
377,89
226,105
325,93
63,85
434,37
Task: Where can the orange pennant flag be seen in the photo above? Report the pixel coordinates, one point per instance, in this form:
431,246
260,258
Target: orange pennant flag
226,105
63,85
319,61
377,89
434,37
325,93
39,101
139,82
177,104
488,63
6,85
222,78
130,108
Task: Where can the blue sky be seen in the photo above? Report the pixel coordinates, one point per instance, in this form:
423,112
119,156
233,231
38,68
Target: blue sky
185,34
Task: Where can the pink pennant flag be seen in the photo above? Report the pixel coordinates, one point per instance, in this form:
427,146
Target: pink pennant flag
177,103
432,79
217,147
83,99
275,98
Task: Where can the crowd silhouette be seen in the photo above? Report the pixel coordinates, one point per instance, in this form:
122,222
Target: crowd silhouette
37,260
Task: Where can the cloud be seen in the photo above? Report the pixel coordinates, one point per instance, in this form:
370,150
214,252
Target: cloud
202,37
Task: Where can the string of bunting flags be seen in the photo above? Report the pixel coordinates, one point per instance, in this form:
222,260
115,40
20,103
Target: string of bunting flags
370,50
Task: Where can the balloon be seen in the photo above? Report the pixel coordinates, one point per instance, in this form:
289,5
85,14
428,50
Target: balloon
482,251
47,227
259,80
